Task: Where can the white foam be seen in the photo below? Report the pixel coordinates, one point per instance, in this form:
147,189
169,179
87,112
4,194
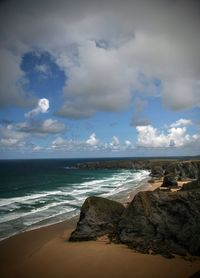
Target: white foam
39,218
14,216
8,201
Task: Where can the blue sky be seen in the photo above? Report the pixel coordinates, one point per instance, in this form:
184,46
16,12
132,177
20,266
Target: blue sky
92,81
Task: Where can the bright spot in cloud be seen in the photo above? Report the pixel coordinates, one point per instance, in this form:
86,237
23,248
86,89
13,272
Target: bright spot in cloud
42,107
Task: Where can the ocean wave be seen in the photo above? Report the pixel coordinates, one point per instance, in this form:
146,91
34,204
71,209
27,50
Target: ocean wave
8,201
35,211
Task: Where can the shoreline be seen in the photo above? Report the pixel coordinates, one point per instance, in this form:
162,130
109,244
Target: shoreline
122,197
144,185
46,252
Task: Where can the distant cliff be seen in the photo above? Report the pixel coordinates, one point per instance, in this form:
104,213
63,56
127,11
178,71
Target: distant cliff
182,170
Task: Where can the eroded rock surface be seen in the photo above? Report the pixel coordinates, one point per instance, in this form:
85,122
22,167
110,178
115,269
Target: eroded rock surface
156,222
162,222
99,216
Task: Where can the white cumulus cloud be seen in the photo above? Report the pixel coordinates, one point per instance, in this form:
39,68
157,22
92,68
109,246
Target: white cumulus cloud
175,136
115,143
92,140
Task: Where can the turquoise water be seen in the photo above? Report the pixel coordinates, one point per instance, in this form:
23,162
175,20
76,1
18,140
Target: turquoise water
35,193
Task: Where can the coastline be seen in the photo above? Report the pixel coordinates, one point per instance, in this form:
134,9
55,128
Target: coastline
46,252
144,185
121,196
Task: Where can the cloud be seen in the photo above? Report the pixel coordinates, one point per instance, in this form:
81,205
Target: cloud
75,110
127,143
182,93
58,142
138,119
18,136
48,126
115,143
11,138
90,87
175,136
103,48
70,145
181,122
37,148
44,69
92,140
148,137
91,144
12,80
42,107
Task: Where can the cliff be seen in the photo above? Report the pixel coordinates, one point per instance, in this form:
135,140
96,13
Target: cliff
163,223
182,170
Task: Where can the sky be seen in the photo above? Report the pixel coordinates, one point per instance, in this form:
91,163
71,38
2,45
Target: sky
99,78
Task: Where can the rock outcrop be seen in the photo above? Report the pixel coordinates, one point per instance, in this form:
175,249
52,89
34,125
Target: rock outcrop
99,216
157,171
169,182
183,170
156,222
162,222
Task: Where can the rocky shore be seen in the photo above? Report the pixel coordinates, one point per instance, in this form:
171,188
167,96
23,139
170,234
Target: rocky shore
155,222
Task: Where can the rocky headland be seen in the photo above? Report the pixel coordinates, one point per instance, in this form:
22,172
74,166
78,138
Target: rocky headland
181,169
156,222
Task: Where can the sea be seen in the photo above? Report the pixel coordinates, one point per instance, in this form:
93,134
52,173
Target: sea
40,192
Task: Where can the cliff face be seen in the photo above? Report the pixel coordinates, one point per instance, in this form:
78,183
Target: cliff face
185,169
180,169
162,222
99,216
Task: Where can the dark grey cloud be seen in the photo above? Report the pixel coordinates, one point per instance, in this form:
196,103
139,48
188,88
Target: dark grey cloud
103,46
19,135
12,81
48,126
138,119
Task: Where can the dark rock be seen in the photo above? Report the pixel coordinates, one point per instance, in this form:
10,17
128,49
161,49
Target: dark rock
99,216
157,171
164,223
169,181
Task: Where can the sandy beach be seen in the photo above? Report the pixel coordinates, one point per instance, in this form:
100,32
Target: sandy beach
46,252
